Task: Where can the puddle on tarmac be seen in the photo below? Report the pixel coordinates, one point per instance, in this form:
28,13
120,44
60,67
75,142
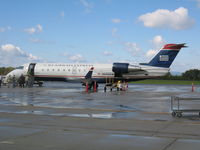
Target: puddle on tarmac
140,98
121,135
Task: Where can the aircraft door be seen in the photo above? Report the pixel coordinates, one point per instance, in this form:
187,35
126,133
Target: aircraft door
31,69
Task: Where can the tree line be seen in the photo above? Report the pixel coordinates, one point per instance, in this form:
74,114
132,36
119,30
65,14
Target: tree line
193,74
5,70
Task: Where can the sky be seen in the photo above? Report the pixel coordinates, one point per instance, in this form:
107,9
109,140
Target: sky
98,31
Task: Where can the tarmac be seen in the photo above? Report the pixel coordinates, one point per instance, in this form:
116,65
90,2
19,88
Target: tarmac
62,116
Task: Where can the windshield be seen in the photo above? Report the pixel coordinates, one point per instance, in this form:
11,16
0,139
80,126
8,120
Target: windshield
20,67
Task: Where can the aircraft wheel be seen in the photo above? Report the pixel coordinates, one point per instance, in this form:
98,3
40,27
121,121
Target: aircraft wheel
179,115
173,114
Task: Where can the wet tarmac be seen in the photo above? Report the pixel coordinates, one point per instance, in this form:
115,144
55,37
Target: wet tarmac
63,116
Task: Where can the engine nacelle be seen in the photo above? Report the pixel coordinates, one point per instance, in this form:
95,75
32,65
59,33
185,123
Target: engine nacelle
120,68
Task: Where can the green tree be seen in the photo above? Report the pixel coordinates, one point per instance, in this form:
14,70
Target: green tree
5,70
193,74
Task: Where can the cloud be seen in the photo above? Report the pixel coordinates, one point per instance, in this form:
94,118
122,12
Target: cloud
114,32
110,42
151,53
36,40
157,42
107,53
76,58
62,14
88,5
116,20
4,29
132,48
164,18
12,55
37,29
198,3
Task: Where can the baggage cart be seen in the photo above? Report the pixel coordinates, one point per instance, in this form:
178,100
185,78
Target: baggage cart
177,107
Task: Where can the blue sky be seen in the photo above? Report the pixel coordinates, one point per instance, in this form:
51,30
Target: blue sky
98,31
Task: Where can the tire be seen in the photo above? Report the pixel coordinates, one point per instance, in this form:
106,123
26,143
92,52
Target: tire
179,115
173,114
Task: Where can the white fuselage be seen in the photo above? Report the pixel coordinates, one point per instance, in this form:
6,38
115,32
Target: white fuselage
77,72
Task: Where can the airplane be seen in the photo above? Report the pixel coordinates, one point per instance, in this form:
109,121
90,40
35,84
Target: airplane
158,66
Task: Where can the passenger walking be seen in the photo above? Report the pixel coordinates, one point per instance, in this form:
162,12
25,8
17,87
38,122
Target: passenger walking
21,81
0,81
30,80
9,81
26,80
125,86
14,81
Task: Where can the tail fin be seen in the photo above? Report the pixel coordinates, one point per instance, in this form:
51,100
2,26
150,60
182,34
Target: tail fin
166,55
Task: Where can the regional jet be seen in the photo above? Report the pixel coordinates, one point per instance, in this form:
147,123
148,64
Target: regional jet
80,72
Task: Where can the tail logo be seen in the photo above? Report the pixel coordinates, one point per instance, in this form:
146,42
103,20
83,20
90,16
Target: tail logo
164,57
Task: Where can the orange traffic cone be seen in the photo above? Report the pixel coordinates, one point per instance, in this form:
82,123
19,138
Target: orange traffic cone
193,88
86,87
95,86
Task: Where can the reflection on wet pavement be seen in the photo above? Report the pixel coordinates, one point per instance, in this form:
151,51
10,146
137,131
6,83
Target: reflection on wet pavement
138,98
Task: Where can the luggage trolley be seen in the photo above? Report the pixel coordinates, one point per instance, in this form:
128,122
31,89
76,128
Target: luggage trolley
177,110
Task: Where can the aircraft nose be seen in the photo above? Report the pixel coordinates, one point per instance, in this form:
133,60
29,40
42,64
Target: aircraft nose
15,73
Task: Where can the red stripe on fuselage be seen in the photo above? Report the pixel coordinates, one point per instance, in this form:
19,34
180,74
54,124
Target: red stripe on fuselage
61,76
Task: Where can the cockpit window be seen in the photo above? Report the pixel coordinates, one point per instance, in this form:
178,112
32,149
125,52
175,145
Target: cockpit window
20,67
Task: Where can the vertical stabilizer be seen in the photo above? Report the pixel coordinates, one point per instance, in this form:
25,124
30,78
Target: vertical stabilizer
166,55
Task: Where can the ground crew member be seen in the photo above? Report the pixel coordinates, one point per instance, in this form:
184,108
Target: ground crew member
0,81
119,86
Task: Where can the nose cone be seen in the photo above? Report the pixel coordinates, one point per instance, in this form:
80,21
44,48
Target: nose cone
16,72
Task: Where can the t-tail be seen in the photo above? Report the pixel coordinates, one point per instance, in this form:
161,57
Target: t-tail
166,55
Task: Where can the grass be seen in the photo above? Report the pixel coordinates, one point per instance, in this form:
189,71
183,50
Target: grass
175,82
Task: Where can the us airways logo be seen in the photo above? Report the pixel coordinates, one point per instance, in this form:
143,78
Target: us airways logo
164,58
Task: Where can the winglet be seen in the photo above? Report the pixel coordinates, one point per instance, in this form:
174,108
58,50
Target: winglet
89,74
